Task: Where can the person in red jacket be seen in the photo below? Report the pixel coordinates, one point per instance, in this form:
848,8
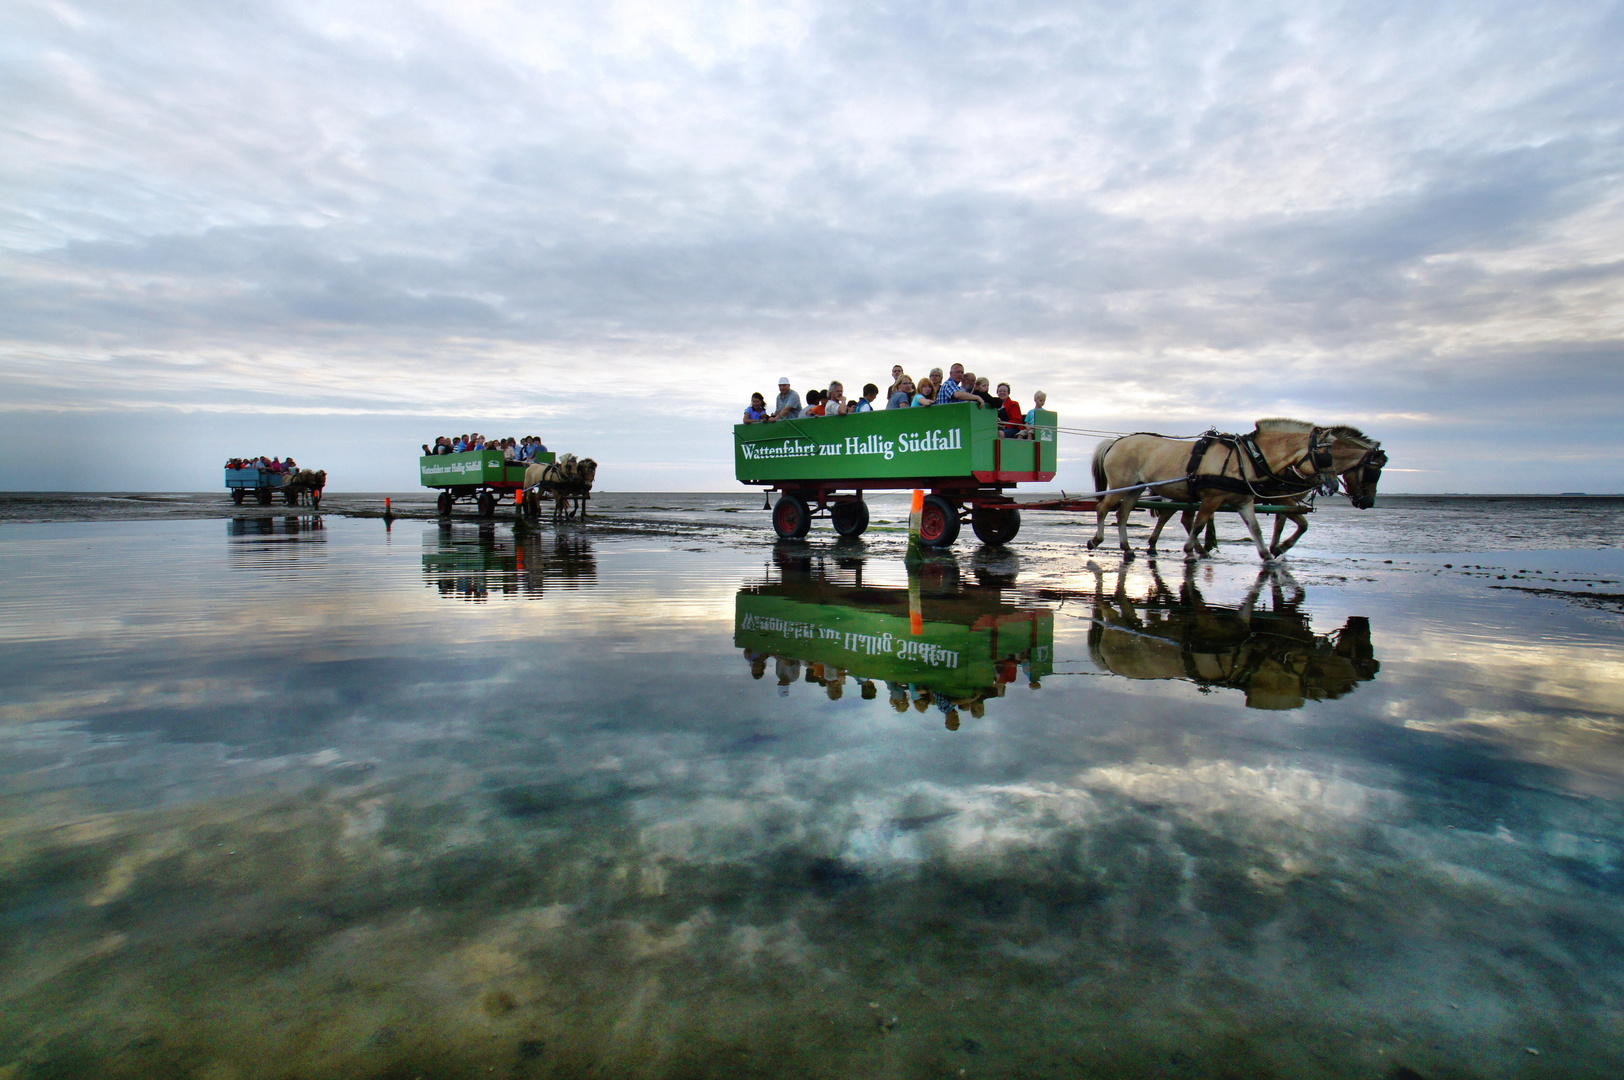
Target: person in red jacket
1010,418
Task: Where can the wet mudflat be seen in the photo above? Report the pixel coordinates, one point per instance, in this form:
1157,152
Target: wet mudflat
302,796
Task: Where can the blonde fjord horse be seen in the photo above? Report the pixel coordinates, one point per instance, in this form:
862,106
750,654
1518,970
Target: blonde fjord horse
1282,457
1358,482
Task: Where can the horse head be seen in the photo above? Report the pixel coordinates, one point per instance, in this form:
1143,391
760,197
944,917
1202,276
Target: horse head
318,479
1357,460
588,472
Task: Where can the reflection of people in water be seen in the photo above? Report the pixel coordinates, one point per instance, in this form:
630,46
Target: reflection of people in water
1272,655
788,670
758,663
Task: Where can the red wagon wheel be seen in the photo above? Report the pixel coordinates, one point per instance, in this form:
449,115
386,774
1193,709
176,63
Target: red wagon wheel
938,522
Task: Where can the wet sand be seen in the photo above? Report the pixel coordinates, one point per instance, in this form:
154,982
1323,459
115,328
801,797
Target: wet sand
299,796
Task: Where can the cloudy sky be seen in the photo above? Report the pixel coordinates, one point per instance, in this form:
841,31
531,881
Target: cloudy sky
337,229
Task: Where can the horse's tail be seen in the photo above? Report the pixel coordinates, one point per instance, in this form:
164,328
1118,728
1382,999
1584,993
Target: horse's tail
1100,482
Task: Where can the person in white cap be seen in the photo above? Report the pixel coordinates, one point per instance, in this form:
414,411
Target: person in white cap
788,405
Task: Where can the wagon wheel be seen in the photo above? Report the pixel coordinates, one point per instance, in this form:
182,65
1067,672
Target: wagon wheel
264,496
849,517
445,502
791,517
938,522
995,525
236,495
487,504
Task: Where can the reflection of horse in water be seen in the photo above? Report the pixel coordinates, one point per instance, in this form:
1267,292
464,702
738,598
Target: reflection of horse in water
1272,655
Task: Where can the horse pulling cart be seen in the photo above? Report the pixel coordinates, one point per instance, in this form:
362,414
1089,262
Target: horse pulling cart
481,475
821,466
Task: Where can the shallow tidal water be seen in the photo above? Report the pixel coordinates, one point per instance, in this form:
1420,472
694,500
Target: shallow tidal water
296,795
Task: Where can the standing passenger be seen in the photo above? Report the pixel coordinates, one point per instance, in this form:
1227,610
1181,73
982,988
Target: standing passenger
866,402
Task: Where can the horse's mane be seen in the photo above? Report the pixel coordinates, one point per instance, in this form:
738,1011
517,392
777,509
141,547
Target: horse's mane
1281,423
1352,434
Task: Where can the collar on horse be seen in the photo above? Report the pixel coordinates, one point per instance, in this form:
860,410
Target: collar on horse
1267,483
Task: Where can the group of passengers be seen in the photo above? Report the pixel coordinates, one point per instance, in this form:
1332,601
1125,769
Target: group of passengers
517,450
275,465
958,385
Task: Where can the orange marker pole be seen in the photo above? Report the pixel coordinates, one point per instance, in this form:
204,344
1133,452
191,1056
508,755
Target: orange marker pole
913,518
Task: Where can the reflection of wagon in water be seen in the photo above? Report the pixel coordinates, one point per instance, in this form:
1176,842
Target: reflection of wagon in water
953,651
474,563
824,465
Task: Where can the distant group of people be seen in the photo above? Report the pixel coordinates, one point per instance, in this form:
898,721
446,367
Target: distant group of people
275,465
956,386
524,449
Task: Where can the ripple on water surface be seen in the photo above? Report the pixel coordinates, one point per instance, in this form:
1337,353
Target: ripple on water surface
301,795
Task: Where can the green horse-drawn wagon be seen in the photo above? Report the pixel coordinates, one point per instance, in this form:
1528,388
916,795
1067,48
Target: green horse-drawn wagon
481,475
824,464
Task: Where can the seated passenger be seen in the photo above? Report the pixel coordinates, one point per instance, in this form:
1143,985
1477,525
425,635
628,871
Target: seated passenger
756,411
866,402
925,396
788,404
901,395
834,400
1009,414
983,393
814,403
1038,401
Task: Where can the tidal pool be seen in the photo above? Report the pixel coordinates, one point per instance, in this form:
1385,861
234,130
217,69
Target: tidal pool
303,796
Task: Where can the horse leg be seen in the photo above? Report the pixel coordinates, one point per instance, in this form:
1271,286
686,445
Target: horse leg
1124,508
1103,508
1162,518
1299,521
1249,515
1192,543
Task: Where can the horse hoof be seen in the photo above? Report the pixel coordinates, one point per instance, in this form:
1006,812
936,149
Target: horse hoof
1127,554
1092,544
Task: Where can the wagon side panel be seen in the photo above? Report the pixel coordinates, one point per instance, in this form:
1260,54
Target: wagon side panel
884,445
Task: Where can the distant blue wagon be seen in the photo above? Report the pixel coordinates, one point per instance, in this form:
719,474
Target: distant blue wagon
261,483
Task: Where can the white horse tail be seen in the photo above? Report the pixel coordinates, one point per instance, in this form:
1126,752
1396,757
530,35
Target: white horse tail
1100,482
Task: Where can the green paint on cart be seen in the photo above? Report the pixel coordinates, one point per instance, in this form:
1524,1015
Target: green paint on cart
473,469
959,442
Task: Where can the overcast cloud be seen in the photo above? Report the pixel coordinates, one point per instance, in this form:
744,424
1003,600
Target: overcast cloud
339,229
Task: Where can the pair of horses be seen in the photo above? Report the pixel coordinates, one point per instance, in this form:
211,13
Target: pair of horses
1282,461
304,483
567,480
